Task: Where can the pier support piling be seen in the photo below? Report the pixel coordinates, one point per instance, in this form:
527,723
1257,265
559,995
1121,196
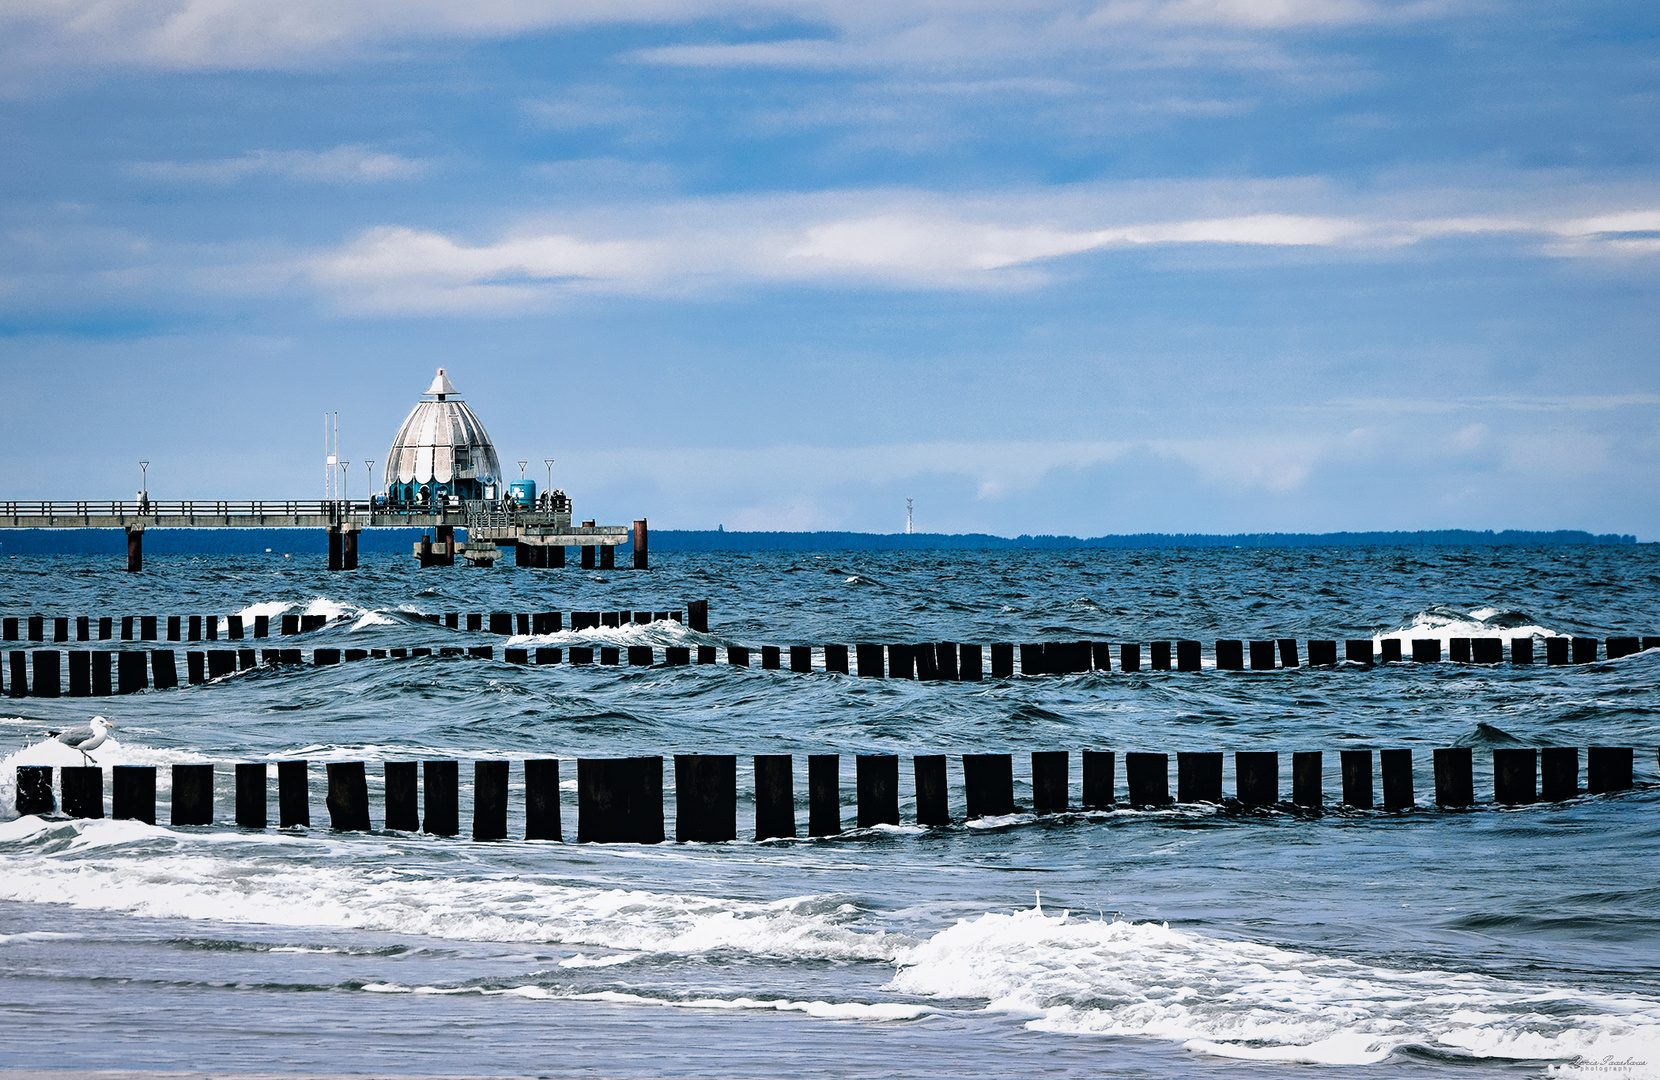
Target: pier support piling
878,786
542,817
441,798
988,785
348,796
774,796
1516,775
34,790
133,793
250,795
1558,773
1454,777
619,800
705,798
135,548
1308,778
932,806
824,795
293,795
489,800
1396,766
403,811
1148,778
1357,778
192,795
1099,781
83,791
1256,775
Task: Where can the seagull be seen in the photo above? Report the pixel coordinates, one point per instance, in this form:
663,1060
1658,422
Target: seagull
85,738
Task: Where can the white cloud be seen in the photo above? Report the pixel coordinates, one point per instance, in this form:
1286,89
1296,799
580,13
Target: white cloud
205,34
897,239
343,164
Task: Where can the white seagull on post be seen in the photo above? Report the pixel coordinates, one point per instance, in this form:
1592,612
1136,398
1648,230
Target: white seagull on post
85,738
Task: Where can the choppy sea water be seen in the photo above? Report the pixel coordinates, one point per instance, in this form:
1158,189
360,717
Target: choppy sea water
1195,941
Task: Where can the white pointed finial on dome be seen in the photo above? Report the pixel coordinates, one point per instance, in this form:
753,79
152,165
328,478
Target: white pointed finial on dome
441,385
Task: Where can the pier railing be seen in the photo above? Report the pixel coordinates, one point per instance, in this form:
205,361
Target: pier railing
141,508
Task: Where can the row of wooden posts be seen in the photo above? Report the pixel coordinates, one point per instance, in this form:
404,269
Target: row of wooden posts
96,674
620,800
239,628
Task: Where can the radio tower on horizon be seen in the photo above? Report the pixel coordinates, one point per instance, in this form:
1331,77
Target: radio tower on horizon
910,526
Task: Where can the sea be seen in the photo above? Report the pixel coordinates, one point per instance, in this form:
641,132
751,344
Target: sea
1201,940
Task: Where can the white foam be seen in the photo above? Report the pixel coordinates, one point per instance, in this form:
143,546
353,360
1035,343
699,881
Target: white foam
330,609
58,755
582,960
1256,1002
189,883
1444,623
268,608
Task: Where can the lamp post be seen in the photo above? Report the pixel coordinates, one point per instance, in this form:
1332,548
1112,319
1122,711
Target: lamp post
345,492
369,483
549,463
143,486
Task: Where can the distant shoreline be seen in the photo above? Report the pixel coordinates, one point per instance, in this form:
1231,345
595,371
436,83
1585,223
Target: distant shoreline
295,541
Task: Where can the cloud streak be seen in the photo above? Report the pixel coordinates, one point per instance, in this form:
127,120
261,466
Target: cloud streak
890,240
342,164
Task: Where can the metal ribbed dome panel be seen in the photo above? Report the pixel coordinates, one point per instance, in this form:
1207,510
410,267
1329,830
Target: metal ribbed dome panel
443,443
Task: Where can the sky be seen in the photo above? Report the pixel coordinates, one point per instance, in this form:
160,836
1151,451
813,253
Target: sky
1050,267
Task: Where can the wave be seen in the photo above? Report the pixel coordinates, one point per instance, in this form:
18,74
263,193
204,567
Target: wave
1244,1000
1443,623
110,754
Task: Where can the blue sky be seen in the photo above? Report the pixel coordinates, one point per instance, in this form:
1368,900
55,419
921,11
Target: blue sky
1121,266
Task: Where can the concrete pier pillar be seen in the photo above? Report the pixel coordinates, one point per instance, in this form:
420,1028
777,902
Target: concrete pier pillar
1396,767
1515,775
824,794
542,818
877,777
1308,778
1199,776
1455,784
293,795
250,795
1051,770
133,793
34,790
556,557
348,796
587,556
489,800
1256,776
336,548
932,805
608,557
192,795
1558,773
135,548
619,800
348,549
83,790
443,535
705,798
441,798
641,561
1607,768
774,796
1099,779
403,811
1148,778
988,785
